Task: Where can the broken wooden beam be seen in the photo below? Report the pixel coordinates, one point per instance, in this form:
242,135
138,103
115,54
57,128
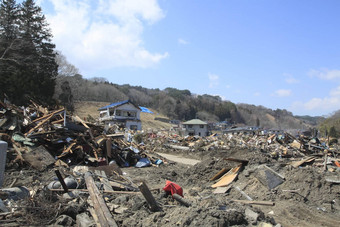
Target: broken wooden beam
149,197
219,174
264,203
104,216
61,179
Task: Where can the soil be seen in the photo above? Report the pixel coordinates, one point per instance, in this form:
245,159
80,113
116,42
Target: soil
303,199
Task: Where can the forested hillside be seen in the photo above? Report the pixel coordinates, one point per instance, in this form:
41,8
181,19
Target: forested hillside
182,104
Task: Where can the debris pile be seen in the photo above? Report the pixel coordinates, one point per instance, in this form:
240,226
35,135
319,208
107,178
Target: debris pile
64,171
43,137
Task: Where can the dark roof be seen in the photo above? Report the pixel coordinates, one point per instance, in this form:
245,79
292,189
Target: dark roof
116,104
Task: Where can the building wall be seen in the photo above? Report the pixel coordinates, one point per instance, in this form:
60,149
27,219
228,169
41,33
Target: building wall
131,122
196,130
134,125
128,107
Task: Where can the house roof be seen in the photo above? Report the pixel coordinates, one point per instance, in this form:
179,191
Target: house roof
116,104
195,122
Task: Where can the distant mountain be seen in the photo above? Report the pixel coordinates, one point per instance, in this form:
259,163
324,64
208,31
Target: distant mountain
182,104
275,119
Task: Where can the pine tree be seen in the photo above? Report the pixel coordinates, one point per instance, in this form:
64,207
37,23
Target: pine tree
9,22
27,60
38,52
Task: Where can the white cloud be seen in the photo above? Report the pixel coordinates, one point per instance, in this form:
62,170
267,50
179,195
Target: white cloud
182,41
324,105
290,79
213,80
325,74
104,34
282,92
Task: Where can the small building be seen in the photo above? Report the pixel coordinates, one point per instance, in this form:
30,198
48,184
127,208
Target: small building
124,114
196,127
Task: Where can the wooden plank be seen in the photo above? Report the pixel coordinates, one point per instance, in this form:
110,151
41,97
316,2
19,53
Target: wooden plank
221,190
219,174
298,163
87,191
264,203
67,150
61,179
95,217
104,216
38,125
109,148
149,197
48,115
103,179
228,177
81,121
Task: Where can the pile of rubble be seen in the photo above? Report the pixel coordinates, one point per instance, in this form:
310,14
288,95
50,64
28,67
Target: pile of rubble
62,171
43,137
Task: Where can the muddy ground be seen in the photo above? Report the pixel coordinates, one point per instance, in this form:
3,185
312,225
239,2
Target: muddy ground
304,198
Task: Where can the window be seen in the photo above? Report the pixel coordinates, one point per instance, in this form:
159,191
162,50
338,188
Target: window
189,126
201,126
133,127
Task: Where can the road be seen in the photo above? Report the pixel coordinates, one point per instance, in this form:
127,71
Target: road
186,161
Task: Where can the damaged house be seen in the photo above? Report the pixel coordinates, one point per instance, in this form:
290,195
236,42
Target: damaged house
196,127
124,114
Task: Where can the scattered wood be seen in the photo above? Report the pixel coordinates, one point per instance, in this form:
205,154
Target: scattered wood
298,163
103,180
102,212
149,197
61,179
227,178
264,203
219,174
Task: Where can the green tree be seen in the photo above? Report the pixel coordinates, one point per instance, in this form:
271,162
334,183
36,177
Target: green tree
333,132
30,68
9,22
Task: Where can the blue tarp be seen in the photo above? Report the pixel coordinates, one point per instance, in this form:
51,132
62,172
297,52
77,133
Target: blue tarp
143,162
145,110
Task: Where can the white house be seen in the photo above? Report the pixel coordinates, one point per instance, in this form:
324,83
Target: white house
196,127
124,114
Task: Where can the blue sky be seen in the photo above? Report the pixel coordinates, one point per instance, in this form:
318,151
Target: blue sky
275,53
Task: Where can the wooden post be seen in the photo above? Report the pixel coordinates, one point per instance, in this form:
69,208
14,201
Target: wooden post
60,178
149,197
104,216
108,147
